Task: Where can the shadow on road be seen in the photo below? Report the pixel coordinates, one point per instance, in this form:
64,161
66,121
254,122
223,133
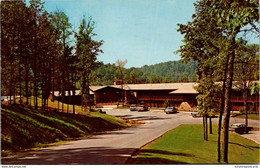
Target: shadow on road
143,118
92,155
149,157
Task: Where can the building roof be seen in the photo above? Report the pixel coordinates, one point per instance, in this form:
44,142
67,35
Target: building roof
159,86
96,88
185,88
173,88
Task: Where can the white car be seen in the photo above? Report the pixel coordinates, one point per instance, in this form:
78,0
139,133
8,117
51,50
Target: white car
169,110
195,113
133,107
142,108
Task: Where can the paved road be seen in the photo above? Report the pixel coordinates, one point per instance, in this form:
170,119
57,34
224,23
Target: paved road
111,148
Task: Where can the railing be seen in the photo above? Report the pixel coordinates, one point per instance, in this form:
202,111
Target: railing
241,99
169,98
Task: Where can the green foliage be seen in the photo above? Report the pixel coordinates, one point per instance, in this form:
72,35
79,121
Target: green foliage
183,145
87,51
172,71
212,39
254,89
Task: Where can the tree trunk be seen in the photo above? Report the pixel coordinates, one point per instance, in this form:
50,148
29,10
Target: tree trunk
30,100
88,95
68,85
42,85
20,80
59,102
73,93
246,106
206,127
203,119
47,105
35,65
210,125
62,99
26,80
222,108
11,81
227,105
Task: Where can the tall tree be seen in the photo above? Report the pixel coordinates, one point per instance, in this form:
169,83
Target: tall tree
87,50
232,16
15,38
36,11
60,69
120,71
212,35
246,66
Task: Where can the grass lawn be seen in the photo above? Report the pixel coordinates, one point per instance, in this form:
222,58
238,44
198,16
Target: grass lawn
185,145
52,106
23,128
250,116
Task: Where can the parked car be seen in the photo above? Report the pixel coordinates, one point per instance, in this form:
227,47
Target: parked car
142,107
100,110
240,128
133,107
195,113
169,110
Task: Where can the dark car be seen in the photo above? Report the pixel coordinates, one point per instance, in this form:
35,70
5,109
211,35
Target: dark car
195,113
240,128
142,107
133,107
169,110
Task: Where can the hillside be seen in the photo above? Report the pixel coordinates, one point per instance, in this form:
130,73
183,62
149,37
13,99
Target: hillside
172,71
24,128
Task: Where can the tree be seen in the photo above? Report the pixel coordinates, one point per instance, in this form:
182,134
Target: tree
232,16
133,77
15,38
36,11
87,50
200,47
120,71
213,34
246,66
60,69
209,93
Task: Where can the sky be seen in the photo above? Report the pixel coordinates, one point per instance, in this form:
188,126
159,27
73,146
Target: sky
142,31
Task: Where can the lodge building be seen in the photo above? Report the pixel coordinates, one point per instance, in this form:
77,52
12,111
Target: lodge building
155,95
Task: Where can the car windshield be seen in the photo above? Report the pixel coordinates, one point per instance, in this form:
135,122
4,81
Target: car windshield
133,105
237,125
170,108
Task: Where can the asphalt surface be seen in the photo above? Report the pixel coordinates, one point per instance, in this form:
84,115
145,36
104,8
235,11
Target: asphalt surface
110,148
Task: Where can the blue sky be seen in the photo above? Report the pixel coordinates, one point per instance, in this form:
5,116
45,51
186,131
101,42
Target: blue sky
142,31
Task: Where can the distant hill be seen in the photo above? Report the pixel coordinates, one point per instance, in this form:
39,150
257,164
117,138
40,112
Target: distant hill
171,71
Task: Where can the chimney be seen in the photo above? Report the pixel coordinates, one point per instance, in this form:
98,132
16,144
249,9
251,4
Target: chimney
118,82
